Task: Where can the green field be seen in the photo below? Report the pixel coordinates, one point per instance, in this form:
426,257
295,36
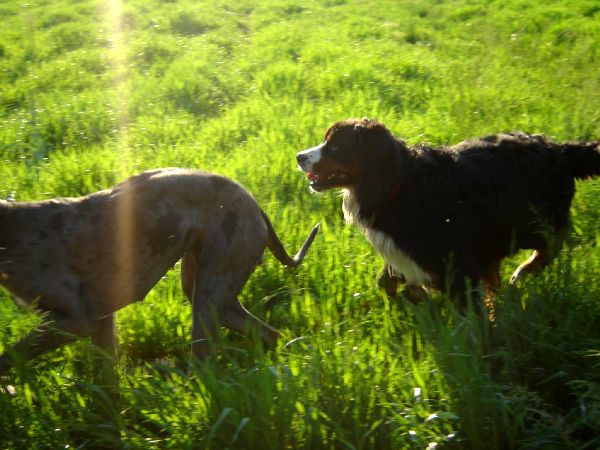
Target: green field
92,91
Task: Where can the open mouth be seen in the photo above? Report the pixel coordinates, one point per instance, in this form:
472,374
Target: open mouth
322,181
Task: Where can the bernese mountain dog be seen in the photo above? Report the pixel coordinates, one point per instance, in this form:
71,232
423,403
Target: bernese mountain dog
445,217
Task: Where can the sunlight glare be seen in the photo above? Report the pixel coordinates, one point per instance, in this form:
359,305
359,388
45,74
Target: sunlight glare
124,229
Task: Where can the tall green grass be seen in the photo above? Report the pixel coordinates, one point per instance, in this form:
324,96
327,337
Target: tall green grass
237,87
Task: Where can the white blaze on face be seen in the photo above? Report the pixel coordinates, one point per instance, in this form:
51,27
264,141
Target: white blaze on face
309,157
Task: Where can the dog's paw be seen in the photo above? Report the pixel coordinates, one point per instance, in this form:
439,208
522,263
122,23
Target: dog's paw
388,284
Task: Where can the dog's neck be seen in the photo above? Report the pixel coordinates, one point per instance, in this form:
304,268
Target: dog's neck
364,202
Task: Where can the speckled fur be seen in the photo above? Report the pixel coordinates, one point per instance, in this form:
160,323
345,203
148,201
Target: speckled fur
82,259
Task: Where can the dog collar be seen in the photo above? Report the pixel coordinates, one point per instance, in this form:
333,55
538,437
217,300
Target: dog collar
392,193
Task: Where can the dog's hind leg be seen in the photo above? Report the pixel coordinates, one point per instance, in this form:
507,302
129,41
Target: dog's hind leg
534,264
205,315
220,276
189,266
203,295
544,252
215,303
229,255
239,319
491,280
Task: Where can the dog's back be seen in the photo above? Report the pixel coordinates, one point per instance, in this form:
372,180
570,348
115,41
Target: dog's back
114,244
515,184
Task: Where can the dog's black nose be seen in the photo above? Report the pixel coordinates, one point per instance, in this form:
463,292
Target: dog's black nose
301,157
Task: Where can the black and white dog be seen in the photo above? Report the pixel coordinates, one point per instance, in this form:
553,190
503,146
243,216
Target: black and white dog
442,216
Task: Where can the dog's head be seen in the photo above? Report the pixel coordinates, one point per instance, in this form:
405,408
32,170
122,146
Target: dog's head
352,149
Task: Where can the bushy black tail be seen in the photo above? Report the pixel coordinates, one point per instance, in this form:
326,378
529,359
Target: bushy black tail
583,158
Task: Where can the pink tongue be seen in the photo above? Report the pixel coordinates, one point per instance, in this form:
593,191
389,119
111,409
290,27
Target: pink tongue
311,176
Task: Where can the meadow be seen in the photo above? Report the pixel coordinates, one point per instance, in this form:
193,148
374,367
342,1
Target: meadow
92,91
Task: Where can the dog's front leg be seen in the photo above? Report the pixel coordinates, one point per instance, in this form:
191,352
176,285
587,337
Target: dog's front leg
56,331
388,281
102,335
48,336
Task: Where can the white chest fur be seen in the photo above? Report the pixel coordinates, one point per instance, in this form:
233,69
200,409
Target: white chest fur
401,263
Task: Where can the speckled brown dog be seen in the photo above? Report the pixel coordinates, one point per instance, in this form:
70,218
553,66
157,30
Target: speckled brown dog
81,259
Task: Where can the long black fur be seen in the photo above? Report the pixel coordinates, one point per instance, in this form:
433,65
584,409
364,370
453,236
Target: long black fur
461,209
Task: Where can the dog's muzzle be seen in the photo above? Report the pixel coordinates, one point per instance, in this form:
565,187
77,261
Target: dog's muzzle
309,157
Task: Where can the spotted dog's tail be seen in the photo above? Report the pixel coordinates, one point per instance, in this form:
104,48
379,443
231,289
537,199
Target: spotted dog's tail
279,251
583,158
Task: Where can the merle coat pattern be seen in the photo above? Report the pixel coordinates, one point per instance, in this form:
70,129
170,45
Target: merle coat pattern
81,259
